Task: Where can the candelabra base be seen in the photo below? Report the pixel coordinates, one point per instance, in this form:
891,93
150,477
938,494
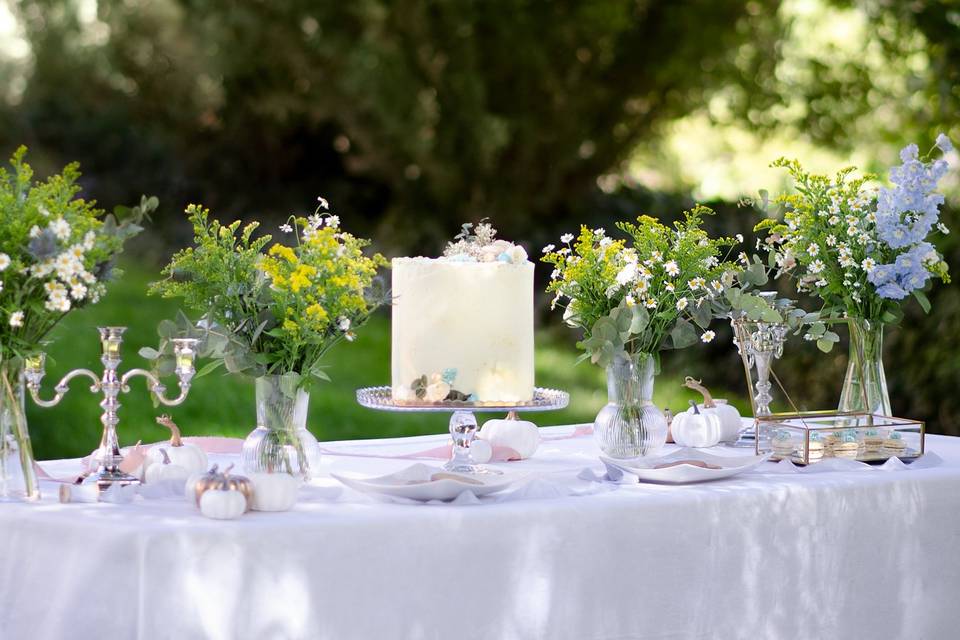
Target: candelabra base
107,478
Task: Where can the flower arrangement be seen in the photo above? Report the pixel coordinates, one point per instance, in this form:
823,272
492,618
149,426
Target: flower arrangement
56,252
860,250
273,312
56,255
640,295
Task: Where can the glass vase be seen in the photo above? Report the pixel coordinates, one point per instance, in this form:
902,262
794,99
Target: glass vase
281,442
18,477
630,425
865,385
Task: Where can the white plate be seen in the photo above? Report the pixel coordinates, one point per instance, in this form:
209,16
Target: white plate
644,468
415,483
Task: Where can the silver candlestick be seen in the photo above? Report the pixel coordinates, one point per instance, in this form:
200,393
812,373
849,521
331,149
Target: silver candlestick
759,344
110,384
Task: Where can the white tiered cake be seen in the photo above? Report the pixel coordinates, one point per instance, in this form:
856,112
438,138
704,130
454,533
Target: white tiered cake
463,324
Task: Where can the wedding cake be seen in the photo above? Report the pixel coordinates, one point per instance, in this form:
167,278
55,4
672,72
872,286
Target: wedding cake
463,323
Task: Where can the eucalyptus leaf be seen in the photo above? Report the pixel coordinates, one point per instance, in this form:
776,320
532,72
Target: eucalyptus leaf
149,353
683,334
640,319
209,368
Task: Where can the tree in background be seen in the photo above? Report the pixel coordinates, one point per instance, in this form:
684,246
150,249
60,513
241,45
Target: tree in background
444,111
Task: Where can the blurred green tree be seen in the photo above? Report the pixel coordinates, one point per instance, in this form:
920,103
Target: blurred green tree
435,111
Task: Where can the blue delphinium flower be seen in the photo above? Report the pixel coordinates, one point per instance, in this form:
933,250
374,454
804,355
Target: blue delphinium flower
944,143
891,291
907,211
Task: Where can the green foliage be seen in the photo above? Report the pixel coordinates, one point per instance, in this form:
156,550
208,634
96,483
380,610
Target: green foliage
269,313
56,251
639,296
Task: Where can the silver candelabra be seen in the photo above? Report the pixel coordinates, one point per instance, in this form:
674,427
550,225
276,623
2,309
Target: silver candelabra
110,384
759,344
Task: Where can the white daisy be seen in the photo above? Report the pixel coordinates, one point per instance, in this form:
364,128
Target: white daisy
708,336
16,319
286,228
682,304
549,248
333,221
650,303
816,266
868,264
4,261
344,323
813,249
672,269
566,238
61,229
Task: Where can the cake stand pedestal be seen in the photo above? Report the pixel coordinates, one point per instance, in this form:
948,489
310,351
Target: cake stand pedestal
463,421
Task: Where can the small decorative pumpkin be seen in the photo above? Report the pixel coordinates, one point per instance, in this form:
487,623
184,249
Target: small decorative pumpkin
199,484
695,429
274,491
520,435
189,456
727,414
223,504
165,470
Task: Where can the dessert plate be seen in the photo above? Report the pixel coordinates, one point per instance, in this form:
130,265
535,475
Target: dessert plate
424,483
683,466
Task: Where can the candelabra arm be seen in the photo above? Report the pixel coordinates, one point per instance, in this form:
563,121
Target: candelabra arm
33,384
156,387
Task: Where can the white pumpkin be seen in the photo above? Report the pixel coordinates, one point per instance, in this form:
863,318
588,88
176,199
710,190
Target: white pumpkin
694,429
730,422
189,456
520,435
274,491
223,505
726,414
165,470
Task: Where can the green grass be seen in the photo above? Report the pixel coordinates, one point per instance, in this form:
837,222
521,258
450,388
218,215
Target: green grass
224,405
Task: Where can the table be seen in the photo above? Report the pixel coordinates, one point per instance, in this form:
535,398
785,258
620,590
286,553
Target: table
767,555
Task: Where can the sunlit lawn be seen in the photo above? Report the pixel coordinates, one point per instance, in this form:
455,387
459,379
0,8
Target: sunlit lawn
224,405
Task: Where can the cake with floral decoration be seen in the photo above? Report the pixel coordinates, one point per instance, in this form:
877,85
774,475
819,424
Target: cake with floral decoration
462,325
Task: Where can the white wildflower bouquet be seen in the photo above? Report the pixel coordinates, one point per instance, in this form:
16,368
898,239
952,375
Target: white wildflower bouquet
643,294
861,250
56,252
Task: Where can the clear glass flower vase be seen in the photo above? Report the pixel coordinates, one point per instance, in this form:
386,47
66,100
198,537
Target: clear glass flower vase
630,425
281,442
18,477
865,384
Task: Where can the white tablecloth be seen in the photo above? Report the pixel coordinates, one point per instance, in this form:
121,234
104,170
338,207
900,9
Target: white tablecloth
768,555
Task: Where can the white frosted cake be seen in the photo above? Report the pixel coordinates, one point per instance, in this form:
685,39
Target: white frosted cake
463,323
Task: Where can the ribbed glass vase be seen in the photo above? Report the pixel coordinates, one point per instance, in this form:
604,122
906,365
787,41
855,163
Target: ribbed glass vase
281,442
630,425
18,478
865,385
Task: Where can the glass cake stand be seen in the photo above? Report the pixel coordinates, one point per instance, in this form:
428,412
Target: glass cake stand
463,422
